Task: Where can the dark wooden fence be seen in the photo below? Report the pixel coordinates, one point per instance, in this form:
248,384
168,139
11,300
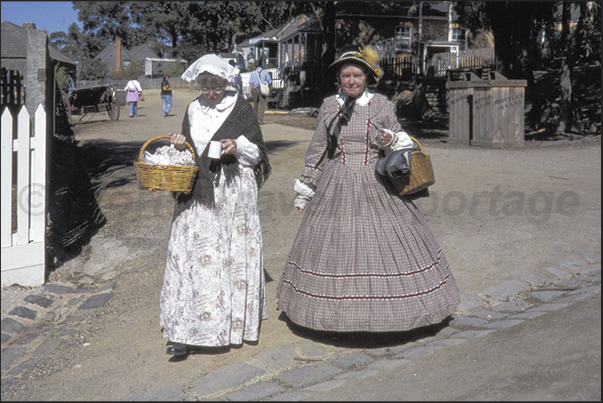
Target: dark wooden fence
471,59
404,67
13,89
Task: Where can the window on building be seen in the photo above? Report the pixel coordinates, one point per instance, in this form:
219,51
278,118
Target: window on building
403,39
459,34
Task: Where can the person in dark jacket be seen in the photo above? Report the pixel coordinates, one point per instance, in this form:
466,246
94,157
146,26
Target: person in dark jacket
166,95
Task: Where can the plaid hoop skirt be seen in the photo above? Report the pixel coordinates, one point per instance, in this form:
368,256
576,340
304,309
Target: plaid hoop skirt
364,259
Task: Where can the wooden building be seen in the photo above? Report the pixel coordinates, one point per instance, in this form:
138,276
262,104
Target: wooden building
116,57
414,39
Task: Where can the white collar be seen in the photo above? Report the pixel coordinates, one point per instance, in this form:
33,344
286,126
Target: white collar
362,100
227,102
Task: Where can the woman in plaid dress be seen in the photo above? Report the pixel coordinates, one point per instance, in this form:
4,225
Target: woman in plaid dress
364,258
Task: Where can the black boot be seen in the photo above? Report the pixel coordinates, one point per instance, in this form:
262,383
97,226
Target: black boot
177,349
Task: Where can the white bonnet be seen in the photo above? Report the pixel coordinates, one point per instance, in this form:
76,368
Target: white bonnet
213,64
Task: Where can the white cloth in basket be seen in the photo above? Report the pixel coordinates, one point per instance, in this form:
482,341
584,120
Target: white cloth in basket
169,155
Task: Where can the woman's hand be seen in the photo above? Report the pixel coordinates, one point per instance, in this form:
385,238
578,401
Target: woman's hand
229,146
178,140
300,203
385,137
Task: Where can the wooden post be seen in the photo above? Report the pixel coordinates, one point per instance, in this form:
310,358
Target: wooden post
36,72
118,54
39,79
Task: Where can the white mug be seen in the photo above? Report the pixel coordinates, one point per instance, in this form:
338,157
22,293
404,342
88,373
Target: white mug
215,150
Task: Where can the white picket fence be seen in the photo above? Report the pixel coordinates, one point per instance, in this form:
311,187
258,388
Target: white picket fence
24,202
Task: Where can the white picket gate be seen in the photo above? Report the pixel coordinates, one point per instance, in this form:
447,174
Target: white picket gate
24,251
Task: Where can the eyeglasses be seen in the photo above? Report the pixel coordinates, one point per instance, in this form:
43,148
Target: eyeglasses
216,91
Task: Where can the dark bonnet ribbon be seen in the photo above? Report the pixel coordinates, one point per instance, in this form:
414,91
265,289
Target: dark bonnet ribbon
345,114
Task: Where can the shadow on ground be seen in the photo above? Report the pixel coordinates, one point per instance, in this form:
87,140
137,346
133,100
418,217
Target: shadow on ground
367,340
103,157
276,145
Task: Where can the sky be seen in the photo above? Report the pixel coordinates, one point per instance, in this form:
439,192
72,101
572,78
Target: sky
49,15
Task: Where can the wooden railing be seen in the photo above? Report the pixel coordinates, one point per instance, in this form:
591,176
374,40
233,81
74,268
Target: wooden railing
405,66
399,67
468,59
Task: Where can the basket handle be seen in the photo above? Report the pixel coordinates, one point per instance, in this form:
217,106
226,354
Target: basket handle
160,138
419,144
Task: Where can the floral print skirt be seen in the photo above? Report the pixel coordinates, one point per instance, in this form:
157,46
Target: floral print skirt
213,291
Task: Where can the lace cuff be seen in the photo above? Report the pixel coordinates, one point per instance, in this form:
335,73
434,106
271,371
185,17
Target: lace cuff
303,189
400,140
247,153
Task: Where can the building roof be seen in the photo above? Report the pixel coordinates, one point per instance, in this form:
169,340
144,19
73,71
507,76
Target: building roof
141,52
14,40
287,30
14,48
56,55
137,54
109,51
431,9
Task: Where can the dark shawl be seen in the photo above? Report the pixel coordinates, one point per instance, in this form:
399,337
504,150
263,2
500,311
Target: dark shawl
241,121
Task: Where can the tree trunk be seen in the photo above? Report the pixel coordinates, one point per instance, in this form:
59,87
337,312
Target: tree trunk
565,75
502,32
328,50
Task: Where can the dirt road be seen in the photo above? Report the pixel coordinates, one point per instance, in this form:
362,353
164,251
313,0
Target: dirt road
504,218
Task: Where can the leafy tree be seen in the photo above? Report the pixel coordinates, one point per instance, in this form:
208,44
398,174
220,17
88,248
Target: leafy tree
324,13
59,39
107,19
76,44
588,32
82,48
175,69
161,20
515,26
213,27
132,69
180,28
91,69
62,78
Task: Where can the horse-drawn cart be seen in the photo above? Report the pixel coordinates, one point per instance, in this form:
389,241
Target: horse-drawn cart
81,101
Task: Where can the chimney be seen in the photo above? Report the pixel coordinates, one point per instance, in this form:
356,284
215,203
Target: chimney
118,54
29,25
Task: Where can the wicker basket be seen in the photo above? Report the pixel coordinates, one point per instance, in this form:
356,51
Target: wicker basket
422,175
175,178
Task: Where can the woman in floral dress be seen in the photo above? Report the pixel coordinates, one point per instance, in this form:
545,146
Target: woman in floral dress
364,258
213,292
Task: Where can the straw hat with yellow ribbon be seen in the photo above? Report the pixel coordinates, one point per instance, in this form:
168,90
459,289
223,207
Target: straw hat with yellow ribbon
365,56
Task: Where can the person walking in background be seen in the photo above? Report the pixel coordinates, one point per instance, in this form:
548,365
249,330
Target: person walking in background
213,292
237,81
133,95
166,95
364,258
260,102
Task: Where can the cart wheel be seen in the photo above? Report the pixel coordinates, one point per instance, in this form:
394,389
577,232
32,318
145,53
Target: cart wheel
113,103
